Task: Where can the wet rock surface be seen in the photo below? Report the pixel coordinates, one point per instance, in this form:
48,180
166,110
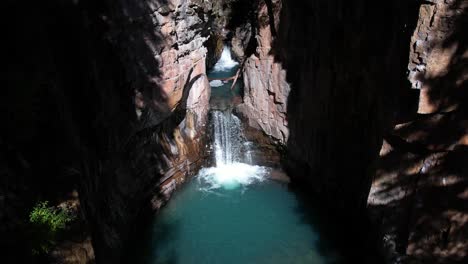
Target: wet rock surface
265,150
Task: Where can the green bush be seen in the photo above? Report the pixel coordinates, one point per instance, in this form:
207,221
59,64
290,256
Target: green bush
47,223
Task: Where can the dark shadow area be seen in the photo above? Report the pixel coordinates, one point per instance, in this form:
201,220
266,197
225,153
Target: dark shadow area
337,230
242,11
334,245
346,62
244,16
74,70
419,193
425,208
142,249
418,197
271,17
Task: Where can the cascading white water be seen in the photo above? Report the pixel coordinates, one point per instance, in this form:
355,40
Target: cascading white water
232,155
228,138
226,62
231,150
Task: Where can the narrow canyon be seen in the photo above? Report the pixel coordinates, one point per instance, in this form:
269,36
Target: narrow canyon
234,131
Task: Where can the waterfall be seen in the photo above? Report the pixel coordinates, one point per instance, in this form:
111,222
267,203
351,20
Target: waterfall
223,94
226,62
229,143
231,154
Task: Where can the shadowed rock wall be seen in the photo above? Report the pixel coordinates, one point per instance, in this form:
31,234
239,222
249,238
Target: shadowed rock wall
118,102
418,196
343,60
346,64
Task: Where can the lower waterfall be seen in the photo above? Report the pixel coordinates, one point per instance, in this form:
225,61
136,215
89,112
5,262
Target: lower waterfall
233,212
232,155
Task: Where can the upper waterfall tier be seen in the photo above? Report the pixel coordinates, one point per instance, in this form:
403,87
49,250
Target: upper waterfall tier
223,93
225,63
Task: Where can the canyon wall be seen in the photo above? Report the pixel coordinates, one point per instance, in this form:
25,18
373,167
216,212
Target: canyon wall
418,195
108,100
118,105
346,63
161,47
342,68
265,88
438,56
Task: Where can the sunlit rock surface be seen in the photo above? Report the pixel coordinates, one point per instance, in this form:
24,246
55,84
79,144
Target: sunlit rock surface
265,88
437,61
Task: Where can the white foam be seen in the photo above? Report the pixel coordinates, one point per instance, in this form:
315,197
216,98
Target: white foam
226,62
231,152
231,176
216,83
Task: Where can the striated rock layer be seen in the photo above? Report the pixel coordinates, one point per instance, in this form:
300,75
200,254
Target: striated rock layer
265,88
161,47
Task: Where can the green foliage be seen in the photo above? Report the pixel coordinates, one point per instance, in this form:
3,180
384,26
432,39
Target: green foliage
47,223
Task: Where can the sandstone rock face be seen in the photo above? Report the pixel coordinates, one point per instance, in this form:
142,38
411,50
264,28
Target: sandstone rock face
241,39
438,51
265,97
160,44
265,88
215,46
161,47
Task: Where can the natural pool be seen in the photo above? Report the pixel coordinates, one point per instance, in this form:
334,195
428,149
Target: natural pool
256,223
232,212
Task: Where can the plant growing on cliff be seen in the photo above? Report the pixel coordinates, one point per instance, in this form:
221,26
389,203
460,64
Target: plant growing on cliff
47,223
